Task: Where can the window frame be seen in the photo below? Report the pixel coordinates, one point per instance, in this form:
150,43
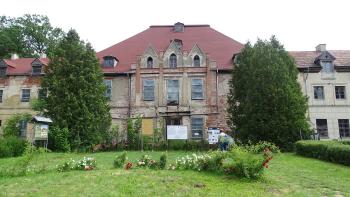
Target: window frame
108,95
25,99
322,128
340,95
196,62
149,62
344,128
315,93
1,95
197,128
327,66
172,102
193,90
109,62
34,67
3,71
173,60
145,86
23,128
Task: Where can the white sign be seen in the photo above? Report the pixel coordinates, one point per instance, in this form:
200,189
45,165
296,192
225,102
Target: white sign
176,132
213,135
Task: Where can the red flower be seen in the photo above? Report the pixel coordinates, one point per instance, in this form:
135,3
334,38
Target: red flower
128,166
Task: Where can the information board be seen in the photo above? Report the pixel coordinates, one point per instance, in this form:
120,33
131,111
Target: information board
41,131
213,135
176,132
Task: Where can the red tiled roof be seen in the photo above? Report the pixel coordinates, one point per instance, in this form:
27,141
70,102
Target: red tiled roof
22,65
306,58
219,47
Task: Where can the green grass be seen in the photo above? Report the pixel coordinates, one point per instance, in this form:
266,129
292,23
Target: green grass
288,175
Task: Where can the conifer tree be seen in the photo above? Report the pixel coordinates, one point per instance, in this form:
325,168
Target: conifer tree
265,99
76,98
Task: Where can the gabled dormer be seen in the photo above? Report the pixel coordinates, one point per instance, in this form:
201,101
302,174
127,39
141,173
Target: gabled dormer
109,61
3,68
325,59
196,57
37,67
149,58
173,55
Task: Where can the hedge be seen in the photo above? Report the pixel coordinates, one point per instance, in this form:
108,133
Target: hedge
11,146
333,151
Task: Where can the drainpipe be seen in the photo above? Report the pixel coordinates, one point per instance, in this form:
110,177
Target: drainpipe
217,94
306,90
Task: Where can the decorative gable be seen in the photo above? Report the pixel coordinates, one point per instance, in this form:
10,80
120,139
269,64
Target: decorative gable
149,59
196,57
173,49
37,67
324,56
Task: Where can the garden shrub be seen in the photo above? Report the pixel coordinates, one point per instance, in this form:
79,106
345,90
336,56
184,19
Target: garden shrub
163,161
87,163
58,139
120,160
12,146
333,151
12,126
261,146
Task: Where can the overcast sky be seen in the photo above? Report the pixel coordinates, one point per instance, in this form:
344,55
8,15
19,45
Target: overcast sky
298,24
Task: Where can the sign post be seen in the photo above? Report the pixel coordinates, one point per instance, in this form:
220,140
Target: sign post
213,135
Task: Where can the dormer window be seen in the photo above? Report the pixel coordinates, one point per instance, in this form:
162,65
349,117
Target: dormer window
327,66
196,61
109,61
37,69
173,61
149,62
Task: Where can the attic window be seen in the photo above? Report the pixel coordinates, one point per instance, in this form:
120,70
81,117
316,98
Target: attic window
327,66
179,27
173,61
178,43
149,62
196,61
109,61
37,69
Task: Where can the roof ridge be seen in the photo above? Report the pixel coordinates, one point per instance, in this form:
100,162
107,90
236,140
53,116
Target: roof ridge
199,25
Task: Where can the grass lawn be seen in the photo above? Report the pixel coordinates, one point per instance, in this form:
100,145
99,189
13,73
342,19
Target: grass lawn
288,175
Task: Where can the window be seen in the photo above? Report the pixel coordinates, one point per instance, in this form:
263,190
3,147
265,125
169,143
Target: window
173,61
318,92
25,95
109,61
340,92
327,66
197,127
149,62
1,93
172,92
148,89
321,126
344,130
23,128
3,71
42,94
196,61
197,89
108,93
36,70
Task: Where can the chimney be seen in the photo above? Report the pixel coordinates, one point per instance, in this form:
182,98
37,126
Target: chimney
321,47
179,27
14,56
43,55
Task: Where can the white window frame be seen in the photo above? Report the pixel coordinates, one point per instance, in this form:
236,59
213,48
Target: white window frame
25,100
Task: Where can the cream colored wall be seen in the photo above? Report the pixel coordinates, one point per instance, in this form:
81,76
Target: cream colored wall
330,108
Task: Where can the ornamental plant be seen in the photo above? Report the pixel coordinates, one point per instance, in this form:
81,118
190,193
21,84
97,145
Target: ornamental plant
87,163
119,160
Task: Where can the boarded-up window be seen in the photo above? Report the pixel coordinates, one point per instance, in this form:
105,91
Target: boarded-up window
147,126
148,89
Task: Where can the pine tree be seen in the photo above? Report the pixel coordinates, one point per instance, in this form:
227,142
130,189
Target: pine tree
76,92
265,100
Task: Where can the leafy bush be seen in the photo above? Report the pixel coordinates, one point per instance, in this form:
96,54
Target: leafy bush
12,146
120,160
145,160
261,146
12,126
163,160
58,139
333,151
242,163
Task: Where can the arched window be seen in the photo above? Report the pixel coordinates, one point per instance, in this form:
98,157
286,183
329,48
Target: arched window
149,62
196,61
173,61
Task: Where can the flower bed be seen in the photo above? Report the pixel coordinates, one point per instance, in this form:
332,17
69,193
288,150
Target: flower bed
87,163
